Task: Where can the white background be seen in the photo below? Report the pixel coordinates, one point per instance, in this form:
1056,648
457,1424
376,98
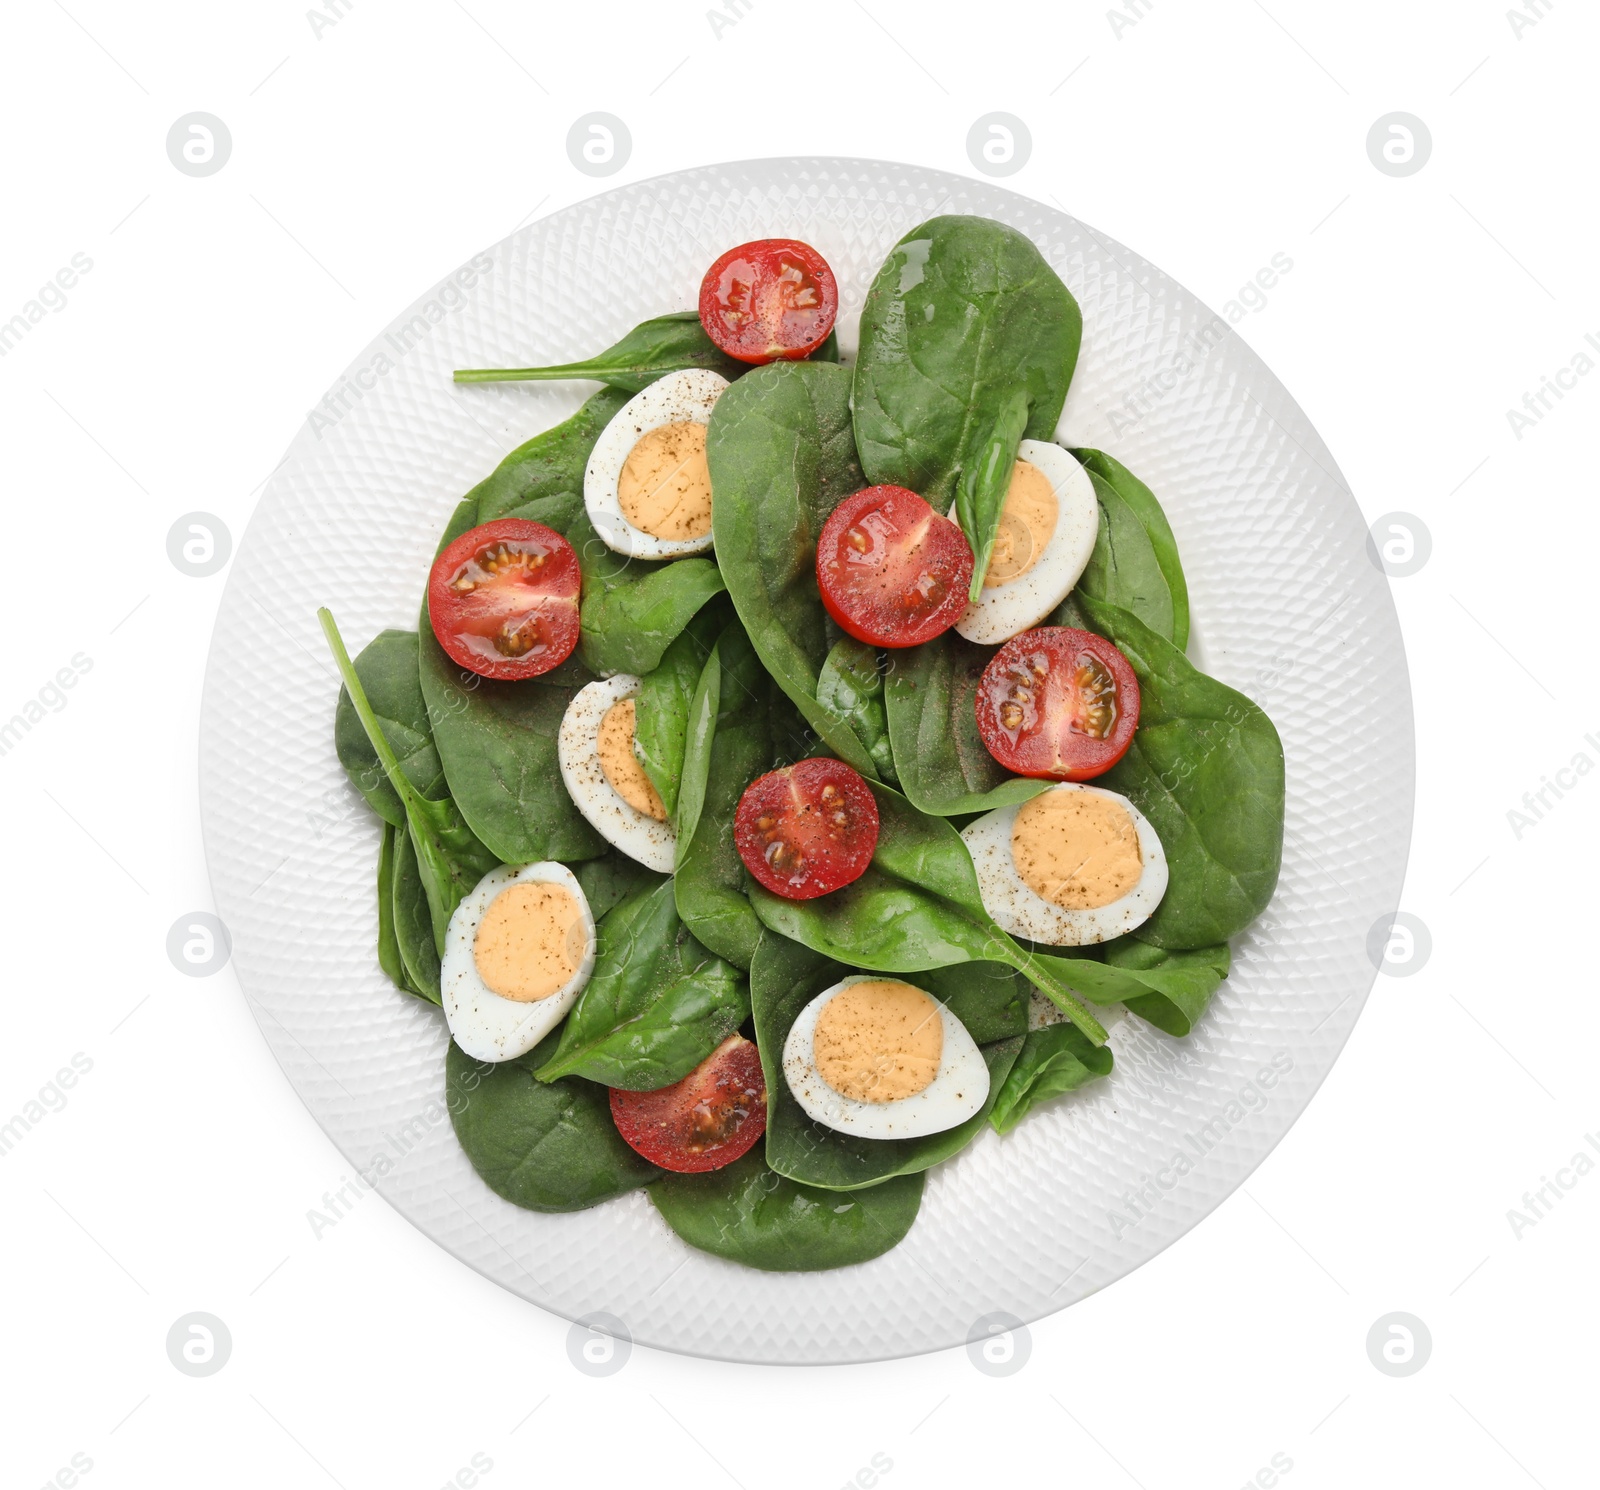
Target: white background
373,153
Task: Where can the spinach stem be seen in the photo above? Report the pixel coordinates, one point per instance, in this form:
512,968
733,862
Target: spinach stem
531,374
408,794
1033,970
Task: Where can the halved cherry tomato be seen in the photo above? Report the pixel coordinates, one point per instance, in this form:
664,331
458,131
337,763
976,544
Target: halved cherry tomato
1058,703
710,1118
892,572
807,829
774,298
503,599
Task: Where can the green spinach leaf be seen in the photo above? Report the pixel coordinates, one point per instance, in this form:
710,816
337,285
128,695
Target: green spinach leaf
1054,1060
653,348
784,978
388,948
944,767
1180,984
968,342
782,458
609,880
851,685
413,921
387,667
1206,767
750,1215
1123,569
657,1004
666,694
1135,501
544,1147
916,908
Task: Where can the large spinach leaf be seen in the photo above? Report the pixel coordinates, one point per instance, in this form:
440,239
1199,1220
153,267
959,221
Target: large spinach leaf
544,1147
729,745
851,685
1054,1060
968,342
944,767
917,907
1134,534
1206,767
387,667
657,1004
633,610
748,1214
661,719
498,744
451,859
413,921
784,977
782,458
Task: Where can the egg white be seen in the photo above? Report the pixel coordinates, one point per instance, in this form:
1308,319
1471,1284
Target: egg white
684,397
955,1094
637,834
485,1025
1005,610
1023,912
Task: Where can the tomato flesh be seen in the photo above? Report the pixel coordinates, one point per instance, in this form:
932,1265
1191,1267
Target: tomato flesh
1058,703
503,599
808,829
892,571
772,299
710,1118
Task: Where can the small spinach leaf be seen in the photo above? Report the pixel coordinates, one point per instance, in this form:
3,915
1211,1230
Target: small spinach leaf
851,685
388,948
661,719
782,458
387,667
632,611
543,1147
784,978
750,1215
944,767
1181,984
1054,1060
413,921
917,907
609,880
1138,499
1206,767
968,342
653,348
656,1005
1123,569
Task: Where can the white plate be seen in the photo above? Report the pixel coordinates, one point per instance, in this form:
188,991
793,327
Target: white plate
1290,609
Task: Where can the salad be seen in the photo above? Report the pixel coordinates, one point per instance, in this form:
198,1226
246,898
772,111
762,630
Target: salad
797,767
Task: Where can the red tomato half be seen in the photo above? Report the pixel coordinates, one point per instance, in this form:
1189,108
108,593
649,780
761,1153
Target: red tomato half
710,1118
1059,703
807,829
774,298
503,599
892,572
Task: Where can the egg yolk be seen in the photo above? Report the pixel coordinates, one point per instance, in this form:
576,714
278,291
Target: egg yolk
878,1041
621,766
665,486
530,941
1076,849
1027,524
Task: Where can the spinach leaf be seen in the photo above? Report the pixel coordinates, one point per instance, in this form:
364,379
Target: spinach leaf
1181,984
450,857
944,767
661,719
917,907
782,458
729,745
748,1214
851,685
653,348
387,667
1123,569
656,1005
784,978
413,921
1135,500
609,880
1054,1060
1206,767
498,744
388,948
968,342
633,610
543,1147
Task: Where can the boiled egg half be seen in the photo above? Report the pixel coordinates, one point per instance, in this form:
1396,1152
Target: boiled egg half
517,954
1073,866
1047,533
647,487
603,775
880,1058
